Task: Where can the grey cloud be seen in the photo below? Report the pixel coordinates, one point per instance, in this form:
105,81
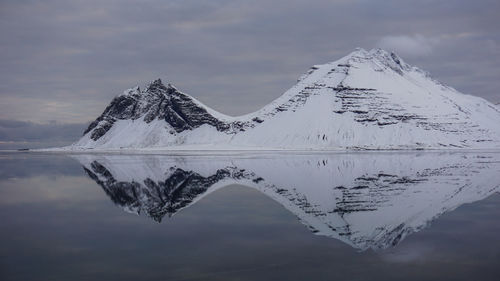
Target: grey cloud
19,134
65,60
411,46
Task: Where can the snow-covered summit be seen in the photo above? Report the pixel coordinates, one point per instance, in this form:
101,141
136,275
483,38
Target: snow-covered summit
365,100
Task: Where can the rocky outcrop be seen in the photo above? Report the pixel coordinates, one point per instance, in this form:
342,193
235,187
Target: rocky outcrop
160,102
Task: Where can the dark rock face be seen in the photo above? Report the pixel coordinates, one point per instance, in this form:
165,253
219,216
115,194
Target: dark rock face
371,106
182,113
156,199
161,102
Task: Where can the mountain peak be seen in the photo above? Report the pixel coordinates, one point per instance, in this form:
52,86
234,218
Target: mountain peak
361,52
373,53
156,82
376,53
156,85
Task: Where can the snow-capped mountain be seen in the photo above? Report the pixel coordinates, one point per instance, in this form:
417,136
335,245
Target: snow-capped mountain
365,100
367,200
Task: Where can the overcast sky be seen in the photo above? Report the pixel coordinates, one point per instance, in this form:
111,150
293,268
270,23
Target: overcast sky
65,60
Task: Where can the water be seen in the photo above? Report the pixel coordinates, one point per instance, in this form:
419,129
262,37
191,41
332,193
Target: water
342,216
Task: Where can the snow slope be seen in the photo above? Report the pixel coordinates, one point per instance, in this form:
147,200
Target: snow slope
365,100
367,200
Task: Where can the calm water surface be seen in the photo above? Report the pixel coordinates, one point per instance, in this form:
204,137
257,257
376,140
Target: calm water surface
355,216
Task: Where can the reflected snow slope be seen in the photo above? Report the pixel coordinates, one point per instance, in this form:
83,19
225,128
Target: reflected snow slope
367,200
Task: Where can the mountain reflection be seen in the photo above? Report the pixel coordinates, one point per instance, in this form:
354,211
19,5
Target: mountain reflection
367,200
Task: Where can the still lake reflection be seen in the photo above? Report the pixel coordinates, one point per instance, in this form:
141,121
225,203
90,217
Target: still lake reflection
348,216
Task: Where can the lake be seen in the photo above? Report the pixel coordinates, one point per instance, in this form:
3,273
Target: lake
265,216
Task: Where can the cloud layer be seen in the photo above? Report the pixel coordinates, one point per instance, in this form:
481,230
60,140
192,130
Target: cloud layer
409,46
65,60
19,134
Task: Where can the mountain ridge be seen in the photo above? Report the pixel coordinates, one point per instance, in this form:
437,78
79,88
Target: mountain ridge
365,100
